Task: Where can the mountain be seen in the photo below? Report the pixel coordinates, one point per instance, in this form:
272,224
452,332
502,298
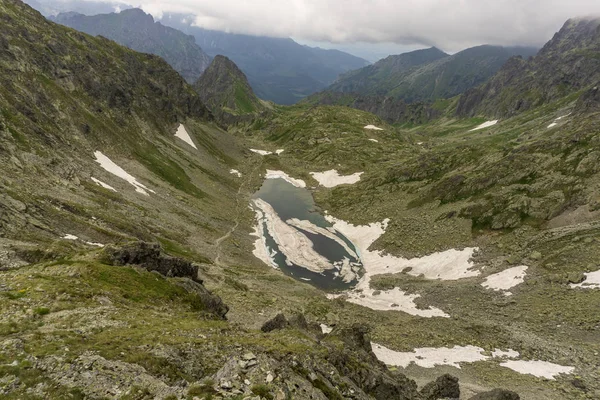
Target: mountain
389,109
138,31
378,77
565,65
119,220
427,75
131,266
278,69
225,90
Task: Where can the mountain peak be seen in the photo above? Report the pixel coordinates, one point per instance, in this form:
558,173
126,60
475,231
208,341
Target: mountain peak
225,89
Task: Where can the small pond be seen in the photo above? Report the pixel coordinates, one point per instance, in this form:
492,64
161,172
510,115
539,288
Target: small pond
291,203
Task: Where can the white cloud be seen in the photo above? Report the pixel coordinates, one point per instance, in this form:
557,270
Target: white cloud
448,24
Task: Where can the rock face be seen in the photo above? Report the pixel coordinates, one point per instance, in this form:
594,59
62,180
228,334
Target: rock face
223,87
427,75
566,64
138,31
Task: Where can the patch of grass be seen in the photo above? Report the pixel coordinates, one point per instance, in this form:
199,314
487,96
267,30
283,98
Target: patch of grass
41,311
262,391
168,170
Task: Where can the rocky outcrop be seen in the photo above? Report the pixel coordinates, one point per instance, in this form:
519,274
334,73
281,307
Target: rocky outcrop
371,376
150,257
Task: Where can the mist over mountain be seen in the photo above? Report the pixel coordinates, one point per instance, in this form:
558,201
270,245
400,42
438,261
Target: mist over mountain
278,69
138,31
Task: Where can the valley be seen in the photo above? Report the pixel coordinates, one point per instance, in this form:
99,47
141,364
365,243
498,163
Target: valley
162,240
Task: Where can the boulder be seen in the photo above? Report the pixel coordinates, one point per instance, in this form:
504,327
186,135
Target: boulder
277,323
444,387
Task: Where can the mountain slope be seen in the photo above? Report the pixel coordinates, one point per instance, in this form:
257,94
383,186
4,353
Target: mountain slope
89,159
225,90
566,64
138,31
427,75
279,70
389,109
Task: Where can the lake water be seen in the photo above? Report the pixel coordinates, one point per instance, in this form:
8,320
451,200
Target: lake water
290,202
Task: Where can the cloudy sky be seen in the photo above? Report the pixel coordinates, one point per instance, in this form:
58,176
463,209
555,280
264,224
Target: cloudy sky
393,25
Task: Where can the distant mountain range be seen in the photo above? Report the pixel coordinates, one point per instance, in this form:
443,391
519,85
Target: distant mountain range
138,31
278,69
427,75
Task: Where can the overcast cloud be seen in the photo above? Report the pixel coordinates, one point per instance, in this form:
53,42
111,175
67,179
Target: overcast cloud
448,24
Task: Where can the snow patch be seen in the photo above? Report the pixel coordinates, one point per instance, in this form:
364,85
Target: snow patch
70,237
430,357
326,329
261,152
114,169
261,250
282,175
373,128
553,124
374,140
279,151
235,172
592,281
104,185
505,280
185,136
95,244
540,369
448,265
332,178
485,125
